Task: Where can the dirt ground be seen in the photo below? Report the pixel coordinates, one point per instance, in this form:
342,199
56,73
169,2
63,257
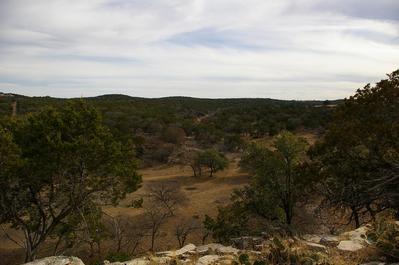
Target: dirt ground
199,196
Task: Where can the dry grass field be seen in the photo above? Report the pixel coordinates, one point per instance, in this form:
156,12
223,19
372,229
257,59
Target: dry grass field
198,196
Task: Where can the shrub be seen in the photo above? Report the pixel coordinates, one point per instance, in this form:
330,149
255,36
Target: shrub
117,256
213,160
385,234
244,259
161,153
280,251
230,222
174,135
137,203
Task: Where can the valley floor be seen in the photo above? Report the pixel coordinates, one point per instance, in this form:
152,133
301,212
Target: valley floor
198,197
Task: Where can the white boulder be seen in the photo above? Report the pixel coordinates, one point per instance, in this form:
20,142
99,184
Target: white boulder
218,248
355,240
138,261
315,245
186,249
349,245
57,260
208,259
329,240
312,238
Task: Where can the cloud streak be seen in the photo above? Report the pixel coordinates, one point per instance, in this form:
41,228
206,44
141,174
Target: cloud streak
303,49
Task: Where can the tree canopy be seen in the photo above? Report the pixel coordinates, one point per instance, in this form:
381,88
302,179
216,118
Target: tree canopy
358,157
56,162
211,159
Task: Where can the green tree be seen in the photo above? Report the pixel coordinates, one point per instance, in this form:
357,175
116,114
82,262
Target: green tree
358,158
213,160
278,171
9,154
174,135
68,160
231,221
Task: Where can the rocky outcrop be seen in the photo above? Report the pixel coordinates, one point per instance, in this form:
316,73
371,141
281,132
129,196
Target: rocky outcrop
354,240
208,259
348,241
57,260
253,247
248,242
189,254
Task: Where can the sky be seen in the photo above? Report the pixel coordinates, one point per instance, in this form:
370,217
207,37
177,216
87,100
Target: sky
284,49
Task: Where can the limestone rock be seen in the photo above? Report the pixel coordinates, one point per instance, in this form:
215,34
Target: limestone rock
57,260
349,245
186,249
329,240
208,259
246,242
217,248
312,238
355,240
139,261
359,234
315,245
161,260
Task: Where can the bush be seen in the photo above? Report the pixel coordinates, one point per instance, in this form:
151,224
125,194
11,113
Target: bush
174,135
230,222
117,256
385,234
232,142
161,153
213,160
280,251
244,259
137,203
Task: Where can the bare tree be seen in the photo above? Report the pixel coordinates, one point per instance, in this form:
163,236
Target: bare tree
163,201
184,228
189,157
155,216
126,235
165,195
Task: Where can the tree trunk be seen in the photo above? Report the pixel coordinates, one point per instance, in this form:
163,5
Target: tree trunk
288,214
30,247
357,221
152,241
371,211
56,246
30,254
194,171
98,243
355,216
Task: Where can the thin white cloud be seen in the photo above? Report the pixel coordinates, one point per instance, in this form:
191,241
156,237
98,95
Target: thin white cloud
302,49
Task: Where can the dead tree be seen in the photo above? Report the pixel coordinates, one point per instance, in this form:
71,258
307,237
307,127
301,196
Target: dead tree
166,196
183,229
155,216
126,235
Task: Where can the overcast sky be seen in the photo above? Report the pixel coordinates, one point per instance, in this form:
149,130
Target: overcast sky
286,49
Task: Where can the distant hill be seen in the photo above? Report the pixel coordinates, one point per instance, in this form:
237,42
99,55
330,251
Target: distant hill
254,116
